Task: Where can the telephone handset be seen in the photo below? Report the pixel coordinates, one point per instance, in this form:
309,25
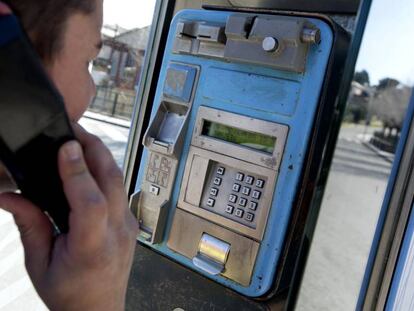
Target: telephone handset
33,123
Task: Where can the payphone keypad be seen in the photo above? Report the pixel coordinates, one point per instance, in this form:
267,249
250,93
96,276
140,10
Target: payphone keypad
233,194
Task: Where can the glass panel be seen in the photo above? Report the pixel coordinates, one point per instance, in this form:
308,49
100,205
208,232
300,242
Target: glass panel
117,71
363,160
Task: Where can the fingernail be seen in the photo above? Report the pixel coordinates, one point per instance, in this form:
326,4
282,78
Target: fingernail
4,9
72,151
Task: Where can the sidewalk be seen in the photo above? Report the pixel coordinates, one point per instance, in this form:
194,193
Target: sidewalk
365,140
107,119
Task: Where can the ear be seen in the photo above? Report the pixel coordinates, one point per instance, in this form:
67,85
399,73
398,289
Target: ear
5,9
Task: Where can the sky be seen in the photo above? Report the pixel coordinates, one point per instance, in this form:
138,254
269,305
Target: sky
388,45
129,14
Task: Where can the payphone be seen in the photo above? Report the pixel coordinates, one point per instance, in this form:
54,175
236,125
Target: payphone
231,126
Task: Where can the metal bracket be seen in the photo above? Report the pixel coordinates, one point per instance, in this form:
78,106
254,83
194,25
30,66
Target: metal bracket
151,219
212,255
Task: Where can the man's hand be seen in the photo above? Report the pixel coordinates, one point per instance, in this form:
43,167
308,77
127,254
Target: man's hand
88,268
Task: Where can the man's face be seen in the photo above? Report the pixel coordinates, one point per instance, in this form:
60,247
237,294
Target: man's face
70,67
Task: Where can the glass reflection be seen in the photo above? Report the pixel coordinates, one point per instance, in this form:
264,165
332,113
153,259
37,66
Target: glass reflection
363,160
117,72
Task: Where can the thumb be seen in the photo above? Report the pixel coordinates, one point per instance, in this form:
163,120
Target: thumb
35,232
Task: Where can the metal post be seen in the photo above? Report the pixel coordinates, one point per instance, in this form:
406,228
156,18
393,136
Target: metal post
115,104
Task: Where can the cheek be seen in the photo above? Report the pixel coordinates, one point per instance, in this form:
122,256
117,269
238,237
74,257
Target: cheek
76,87
80,96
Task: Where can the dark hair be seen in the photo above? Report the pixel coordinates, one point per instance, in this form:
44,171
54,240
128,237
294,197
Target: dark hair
45,21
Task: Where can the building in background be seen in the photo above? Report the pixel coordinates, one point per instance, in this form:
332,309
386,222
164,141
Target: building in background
117,70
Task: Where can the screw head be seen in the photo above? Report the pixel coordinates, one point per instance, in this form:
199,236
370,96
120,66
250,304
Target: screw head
270,44
312,36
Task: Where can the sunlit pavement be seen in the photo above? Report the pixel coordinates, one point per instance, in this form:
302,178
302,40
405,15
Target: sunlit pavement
346,225
16,290
114,136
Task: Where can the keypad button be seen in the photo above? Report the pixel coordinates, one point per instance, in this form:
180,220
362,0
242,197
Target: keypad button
239,176
214,192
253,206
236,187
211,202
154,190
246,190
229,209
217,181
256,195
249,180
233,198
249,217
221,171
260,183
239,213
242,202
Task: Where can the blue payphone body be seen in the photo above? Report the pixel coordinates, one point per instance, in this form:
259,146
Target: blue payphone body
233,114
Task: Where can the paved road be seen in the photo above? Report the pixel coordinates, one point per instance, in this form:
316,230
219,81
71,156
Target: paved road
16,290
347,221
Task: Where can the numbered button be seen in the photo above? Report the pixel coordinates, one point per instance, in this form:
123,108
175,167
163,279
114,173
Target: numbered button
217,181
154,190
229,209
249,180
249,217
246,191
239,176
260,183
214,192
211,202
242,202
236,187
253,206
221,170
233,198
239,213
256,195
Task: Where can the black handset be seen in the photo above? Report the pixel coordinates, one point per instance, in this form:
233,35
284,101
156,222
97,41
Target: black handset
33,123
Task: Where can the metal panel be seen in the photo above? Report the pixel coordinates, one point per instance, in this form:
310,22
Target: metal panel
321,6
301,124
251,86
186,236
265,204
402,291
275,130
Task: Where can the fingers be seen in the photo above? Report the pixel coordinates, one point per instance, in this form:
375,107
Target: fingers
35,232
89,212
106,172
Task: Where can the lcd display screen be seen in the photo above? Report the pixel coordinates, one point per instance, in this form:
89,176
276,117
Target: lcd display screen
252,140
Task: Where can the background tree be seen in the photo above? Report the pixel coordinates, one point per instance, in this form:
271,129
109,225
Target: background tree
390,104
362,77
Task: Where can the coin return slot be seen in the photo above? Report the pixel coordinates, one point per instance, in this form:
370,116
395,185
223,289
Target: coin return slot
212,255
